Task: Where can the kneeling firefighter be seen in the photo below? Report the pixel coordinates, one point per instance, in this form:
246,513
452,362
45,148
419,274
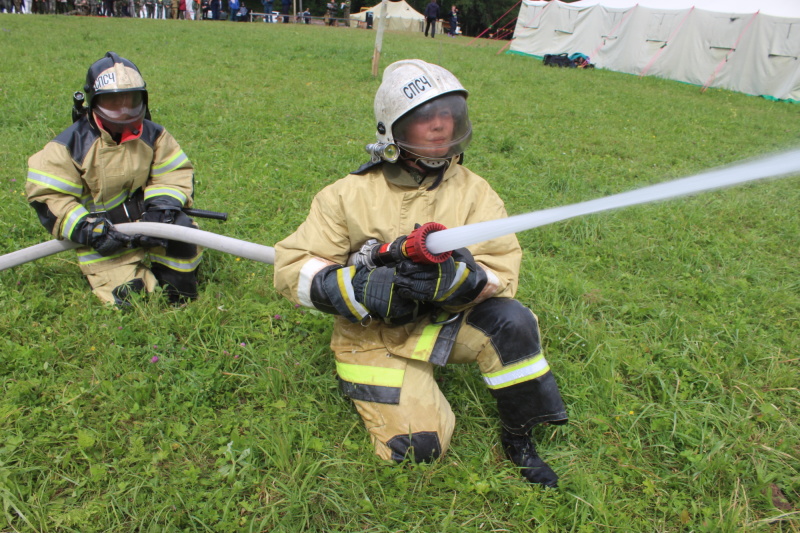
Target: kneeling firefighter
399,319
113,165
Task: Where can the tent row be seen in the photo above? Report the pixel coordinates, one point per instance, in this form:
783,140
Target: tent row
400,16
750,47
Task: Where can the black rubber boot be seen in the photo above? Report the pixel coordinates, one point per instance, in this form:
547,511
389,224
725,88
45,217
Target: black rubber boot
180,287
522,453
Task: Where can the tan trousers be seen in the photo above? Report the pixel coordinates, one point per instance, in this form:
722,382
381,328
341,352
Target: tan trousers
104,283
422,409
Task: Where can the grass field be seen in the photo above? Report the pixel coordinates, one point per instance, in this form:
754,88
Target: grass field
672,328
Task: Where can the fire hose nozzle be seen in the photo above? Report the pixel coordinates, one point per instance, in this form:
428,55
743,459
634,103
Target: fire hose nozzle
412,246
415,247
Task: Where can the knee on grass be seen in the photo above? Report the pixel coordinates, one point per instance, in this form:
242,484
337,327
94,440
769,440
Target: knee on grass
422,447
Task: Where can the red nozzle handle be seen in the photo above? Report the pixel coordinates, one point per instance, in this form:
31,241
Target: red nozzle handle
415,249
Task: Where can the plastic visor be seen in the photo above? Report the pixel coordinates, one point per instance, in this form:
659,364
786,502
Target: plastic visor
120,109
439,128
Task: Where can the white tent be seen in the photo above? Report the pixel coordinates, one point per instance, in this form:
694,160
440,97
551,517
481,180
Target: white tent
747,46
399,17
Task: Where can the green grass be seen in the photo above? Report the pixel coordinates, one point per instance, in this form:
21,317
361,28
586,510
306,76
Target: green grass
672,328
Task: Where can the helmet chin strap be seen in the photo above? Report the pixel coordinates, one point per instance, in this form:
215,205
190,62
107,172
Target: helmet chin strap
432,164
425,163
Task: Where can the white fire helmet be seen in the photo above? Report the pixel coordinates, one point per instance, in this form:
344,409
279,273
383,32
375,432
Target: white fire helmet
413,91
116,92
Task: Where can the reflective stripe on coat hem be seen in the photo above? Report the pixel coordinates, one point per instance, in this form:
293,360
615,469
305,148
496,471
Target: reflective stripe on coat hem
181,265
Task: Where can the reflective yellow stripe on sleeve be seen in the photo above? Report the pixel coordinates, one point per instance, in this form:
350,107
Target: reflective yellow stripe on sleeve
344,278
75,215
51,181
168,166
172,192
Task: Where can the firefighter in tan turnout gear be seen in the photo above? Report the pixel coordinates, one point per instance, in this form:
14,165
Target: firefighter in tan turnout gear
395,323
113,165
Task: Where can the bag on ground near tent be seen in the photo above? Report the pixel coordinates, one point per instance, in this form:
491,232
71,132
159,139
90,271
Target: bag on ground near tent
558,60
580,61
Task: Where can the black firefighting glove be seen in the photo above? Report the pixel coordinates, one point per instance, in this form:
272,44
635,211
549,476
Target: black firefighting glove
102,236
376,290
455,282
470,280
424,282
357,293
168,215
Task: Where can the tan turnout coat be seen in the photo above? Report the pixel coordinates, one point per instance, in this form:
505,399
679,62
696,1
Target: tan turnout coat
83,171
385,203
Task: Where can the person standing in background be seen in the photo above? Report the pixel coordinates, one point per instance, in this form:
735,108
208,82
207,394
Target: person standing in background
267,4
286,10
453,20
346,12
330,13
431,14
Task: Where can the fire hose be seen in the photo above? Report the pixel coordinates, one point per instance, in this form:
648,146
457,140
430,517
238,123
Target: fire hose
432,242
207,239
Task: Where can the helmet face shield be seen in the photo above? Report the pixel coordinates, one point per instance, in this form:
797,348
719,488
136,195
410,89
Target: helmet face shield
439,129
118,110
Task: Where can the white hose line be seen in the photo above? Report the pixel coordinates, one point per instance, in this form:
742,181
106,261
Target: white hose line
206,239
785,164
32,253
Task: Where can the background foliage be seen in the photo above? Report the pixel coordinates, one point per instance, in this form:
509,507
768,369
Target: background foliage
672,328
